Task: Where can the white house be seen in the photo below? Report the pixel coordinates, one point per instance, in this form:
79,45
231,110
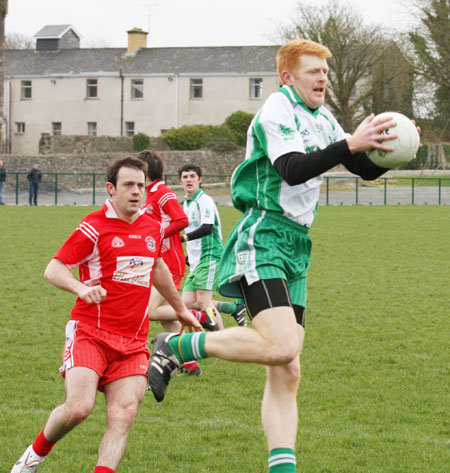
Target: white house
60,88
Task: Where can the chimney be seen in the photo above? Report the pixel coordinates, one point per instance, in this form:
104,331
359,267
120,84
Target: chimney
137,38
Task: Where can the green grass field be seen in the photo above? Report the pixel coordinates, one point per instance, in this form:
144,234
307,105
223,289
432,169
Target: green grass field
375,391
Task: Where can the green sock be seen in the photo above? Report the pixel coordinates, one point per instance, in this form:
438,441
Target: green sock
226,307
188,346
282,460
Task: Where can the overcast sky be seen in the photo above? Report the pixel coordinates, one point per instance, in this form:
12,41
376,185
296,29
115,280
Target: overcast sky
178,22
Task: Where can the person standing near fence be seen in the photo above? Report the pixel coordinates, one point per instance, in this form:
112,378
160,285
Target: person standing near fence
2,181
34,177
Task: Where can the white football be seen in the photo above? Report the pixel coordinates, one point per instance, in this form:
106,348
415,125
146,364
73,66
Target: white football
405,146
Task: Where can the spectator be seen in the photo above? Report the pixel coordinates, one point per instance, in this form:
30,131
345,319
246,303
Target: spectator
2,181
34,177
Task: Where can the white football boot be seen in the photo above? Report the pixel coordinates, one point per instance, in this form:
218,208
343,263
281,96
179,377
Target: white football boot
28,463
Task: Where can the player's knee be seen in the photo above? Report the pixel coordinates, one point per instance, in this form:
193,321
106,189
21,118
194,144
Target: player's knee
79,412
286,351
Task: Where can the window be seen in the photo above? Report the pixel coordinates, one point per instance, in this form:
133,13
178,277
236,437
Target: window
196,88
137,89
129,128
20,127
56,128
92,128
25,90
256,88
91,89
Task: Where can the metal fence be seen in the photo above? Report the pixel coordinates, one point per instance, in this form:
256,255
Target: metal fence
89,189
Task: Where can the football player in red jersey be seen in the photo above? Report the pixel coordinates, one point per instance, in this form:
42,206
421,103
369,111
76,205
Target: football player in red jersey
162,204
118,252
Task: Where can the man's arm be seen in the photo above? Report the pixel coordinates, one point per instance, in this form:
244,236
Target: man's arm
58,274
162,280
200,232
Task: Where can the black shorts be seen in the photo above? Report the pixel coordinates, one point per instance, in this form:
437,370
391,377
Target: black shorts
267,293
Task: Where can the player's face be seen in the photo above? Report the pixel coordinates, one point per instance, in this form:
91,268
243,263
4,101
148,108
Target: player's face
309,80
128,193
190,182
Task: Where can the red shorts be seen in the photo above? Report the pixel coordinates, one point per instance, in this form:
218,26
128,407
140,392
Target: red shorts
177,280
110,355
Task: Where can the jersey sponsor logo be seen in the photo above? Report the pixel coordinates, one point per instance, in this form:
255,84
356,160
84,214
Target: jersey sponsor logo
133,270
243,257
135,237
305,132
151,245
207,213
286,132
117,242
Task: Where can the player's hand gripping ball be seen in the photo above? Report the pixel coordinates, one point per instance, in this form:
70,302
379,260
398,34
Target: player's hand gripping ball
405,145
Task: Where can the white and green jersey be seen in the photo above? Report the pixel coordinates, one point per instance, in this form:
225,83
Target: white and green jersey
283,125
201,209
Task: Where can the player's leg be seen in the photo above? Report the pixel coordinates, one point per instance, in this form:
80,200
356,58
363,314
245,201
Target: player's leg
81,388
279,413
123,397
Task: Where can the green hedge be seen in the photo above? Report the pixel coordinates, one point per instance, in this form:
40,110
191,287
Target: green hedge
225,137
141,141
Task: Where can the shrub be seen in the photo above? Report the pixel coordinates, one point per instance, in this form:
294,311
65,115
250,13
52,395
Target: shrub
238,122
141,141
189,137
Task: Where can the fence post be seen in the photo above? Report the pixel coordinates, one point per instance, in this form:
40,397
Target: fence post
17,188
328,189
412,190
385,190
356,188
93,188
439,187
56,188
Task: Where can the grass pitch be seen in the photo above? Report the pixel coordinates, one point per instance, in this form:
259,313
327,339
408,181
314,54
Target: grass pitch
374,396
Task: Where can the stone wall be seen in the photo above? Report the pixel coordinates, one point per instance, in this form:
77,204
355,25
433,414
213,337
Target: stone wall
212,162
83,144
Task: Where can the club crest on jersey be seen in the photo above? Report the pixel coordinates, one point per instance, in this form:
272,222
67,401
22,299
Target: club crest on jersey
149,209
117,242
151,245
286,132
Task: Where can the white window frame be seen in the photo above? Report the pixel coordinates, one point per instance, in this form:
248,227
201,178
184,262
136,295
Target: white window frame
26,89
91,89
20,128
92,128
129,128
256,88
137,89
196,89
56,128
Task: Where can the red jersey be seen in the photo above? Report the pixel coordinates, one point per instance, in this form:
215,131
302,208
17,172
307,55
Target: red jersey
162,204
120,257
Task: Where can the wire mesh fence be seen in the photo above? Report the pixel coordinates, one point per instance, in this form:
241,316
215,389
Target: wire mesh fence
89,189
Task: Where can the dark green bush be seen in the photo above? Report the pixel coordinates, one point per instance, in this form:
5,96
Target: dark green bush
239,122
141,141
190,137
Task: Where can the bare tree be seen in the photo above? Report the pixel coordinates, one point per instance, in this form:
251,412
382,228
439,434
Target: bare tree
356,49
18,41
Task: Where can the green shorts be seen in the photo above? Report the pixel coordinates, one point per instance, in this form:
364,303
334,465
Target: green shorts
266,245
205,276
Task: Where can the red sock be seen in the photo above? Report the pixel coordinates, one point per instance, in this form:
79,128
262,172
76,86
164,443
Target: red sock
190,365
199,315
42,446
103,469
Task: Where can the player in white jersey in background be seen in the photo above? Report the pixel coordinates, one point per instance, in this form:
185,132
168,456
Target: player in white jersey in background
292,140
